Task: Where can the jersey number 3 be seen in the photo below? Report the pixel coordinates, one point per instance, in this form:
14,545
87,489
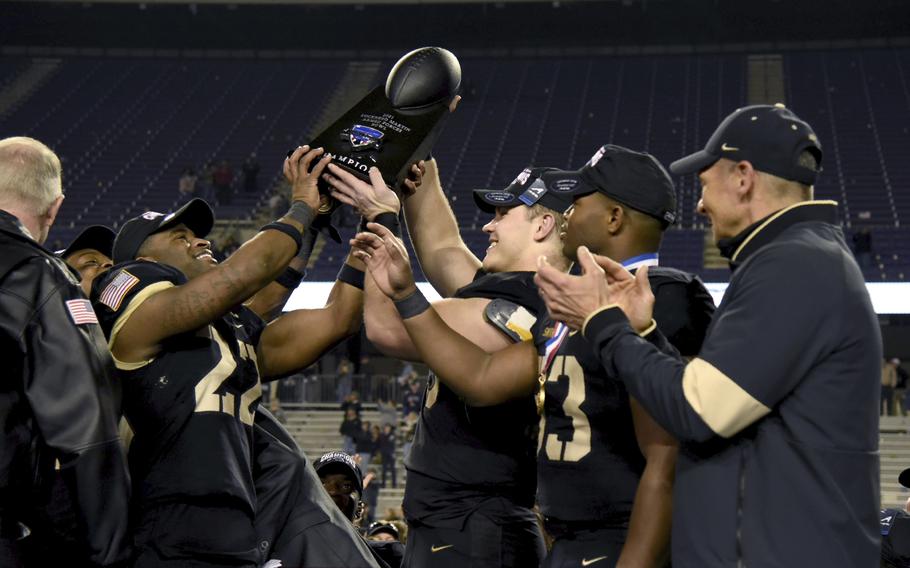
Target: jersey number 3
580,444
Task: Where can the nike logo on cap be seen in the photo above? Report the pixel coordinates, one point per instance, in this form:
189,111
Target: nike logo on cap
438,548
726,148
586,562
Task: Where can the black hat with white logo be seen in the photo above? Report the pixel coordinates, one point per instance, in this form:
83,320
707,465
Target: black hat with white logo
197,215
549,187
770,137
635,179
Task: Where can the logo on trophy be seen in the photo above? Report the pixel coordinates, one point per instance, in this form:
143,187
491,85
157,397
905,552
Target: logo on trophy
395,124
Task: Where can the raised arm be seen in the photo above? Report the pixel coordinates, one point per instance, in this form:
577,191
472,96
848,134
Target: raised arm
443,256
170,310
482,379
298,338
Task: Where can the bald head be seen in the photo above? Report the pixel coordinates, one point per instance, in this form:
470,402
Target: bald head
29,175
30,184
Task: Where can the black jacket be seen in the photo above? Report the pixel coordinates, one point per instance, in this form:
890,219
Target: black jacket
58,403
777,417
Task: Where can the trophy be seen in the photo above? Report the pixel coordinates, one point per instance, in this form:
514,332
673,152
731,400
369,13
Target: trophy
395,125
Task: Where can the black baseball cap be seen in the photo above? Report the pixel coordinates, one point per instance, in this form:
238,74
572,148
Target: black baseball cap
635,179
770,137
339,462
549,187
97,237
904,478
196,215
389,527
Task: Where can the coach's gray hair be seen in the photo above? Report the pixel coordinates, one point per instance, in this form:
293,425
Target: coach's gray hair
30,175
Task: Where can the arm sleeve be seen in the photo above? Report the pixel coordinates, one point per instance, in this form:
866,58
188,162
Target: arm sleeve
763,341
69,389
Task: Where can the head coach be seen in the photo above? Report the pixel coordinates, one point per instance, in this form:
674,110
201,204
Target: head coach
777,416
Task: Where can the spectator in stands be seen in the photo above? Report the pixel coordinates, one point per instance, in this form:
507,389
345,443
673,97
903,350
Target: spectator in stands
412,398
862,247
250,170
900,390
388,412
187,184
387,445
364,446
889,382
370,494
58,404
222,178
205,186
345,381
350,429
352,401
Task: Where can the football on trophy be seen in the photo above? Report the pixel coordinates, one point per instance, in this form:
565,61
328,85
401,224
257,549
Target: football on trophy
423,77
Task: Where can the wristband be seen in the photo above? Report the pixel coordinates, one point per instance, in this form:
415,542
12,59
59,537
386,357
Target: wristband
285,228
350,275
387,220
290,278
302,213
413,305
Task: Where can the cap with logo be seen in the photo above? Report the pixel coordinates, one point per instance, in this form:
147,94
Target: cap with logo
635,179
196,215
96,237
549,187
770,137
383,526
339,462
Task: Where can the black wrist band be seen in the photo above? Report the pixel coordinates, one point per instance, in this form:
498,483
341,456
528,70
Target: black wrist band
285,228
290,278
387,220
350,275
413,305
302,213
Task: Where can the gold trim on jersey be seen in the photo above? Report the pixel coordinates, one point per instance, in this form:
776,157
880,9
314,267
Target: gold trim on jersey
724,405
134,304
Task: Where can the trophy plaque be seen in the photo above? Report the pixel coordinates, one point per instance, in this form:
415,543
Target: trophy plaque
395,125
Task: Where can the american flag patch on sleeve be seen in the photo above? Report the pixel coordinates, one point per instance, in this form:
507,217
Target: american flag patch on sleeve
113,295
81,311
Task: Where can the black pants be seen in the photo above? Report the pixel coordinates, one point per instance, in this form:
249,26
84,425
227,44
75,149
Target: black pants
596,548
191,536
481,543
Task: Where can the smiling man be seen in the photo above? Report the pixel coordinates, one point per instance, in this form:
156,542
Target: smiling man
778,414
190,358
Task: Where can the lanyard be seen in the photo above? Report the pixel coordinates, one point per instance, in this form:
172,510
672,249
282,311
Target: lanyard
551,347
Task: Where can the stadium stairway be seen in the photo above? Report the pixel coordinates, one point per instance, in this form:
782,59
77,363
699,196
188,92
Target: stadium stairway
315,427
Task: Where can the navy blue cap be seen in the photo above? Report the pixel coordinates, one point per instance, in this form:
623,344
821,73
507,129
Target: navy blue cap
96,237
339,462
389,527
197,215
770,137
549,187
635,179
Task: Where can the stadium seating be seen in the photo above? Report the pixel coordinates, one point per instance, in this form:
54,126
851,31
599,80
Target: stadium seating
127,127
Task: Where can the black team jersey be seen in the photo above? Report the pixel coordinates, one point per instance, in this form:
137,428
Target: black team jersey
190,407
588,461
465,457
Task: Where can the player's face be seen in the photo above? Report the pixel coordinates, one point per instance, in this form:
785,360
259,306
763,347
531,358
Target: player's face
719,199
180,248
341,489
511,232
90,264
585,224
383,536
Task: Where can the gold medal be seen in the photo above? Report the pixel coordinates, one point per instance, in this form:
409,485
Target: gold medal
541,392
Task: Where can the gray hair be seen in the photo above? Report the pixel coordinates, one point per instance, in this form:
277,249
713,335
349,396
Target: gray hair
30,174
